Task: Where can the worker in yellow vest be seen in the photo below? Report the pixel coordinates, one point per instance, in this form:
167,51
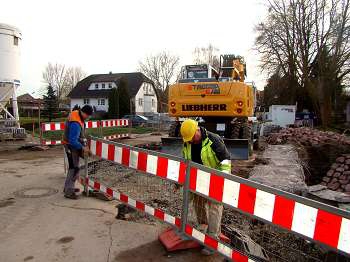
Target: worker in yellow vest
208,149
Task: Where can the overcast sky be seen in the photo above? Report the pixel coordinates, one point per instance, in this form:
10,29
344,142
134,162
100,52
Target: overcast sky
102,36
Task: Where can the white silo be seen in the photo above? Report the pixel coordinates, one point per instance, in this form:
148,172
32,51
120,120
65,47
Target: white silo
10,44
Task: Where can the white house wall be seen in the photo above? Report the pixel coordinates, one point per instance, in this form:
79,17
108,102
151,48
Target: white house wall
146,93
92,102
93,85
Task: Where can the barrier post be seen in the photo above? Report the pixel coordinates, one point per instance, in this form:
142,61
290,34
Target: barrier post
41,132
130,127
185,202
100,128
86,175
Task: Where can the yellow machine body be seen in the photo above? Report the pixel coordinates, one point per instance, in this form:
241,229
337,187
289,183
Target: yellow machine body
222,99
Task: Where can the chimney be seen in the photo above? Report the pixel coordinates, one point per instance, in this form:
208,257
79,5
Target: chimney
110,72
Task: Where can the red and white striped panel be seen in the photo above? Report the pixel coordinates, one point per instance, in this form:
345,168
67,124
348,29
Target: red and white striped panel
116,136
51,142
131,202
216,245
114,122
92,124
52,126
317,224
139,160
60,126
174,221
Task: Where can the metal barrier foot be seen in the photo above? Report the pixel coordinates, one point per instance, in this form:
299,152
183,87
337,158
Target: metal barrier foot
173,241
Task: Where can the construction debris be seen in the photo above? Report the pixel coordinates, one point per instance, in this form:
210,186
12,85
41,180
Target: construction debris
323,194
307,137
338,177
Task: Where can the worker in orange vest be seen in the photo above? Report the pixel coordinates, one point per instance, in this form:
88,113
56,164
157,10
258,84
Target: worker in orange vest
75,147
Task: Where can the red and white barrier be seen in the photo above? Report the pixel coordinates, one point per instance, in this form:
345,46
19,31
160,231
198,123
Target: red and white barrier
60,126
114,122
52,126
173,221
317,224
51,142
145,162
281,209
116,136
216,245
92,124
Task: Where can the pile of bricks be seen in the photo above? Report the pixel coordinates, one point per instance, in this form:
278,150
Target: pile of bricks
338,177
307,137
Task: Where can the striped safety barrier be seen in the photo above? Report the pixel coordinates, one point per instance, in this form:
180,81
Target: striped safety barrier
171,220
312,220
146,162
51,142
60,126
114,122
117,136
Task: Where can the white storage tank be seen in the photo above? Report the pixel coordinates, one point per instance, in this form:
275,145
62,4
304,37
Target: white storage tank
10,43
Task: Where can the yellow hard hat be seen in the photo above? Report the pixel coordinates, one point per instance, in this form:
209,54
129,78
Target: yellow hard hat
188,129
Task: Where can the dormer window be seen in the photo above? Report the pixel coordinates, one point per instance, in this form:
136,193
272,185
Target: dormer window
96,86
103,86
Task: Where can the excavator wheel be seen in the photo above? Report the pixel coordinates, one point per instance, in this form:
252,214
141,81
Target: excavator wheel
247,134
235,130
174,130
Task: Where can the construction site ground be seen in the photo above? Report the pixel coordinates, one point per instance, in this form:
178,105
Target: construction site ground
39,224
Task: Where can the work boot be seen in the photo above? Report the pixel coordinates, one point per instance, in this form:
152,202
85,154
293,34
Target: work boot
76,190
71,196
207,252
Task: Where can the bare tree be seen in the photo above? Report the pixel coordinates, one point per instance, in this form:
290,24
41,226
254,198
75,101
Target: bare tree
73,76
161,68
62,78
55,76
206,55
309,42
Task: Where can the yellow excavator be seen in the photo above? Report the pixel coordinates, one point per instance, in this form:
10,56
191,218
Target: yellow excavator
219,100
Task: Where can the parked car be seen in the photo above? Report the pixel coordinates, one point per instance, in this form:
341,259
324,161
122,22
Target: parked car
161,120
137,120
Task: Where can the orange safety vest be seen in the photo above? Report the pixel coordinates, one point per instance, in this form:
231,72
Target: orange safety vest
74,116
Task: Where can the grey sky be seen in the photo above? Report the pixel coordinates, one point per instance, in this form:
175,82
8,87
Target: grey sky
102,36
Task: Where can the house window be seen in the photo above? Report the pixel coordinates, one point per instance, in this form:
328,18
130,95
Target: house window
96,86
101,102
140,101
103,86
86,101
15,40
109,85
144,87
153,103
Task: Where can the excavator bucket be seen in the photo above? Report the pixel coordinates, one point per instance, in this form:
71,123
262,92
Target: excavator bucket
238,148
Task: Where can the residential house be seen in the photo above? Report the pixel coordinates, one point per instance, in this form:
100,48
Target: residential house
28,106
95,89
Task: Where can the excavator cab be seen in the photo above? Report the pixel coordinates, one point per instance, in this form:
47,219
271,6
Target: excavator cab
198,73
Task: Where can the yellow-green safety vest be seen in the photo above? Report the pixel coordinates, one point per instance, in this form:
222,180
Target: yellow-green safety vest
208,156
